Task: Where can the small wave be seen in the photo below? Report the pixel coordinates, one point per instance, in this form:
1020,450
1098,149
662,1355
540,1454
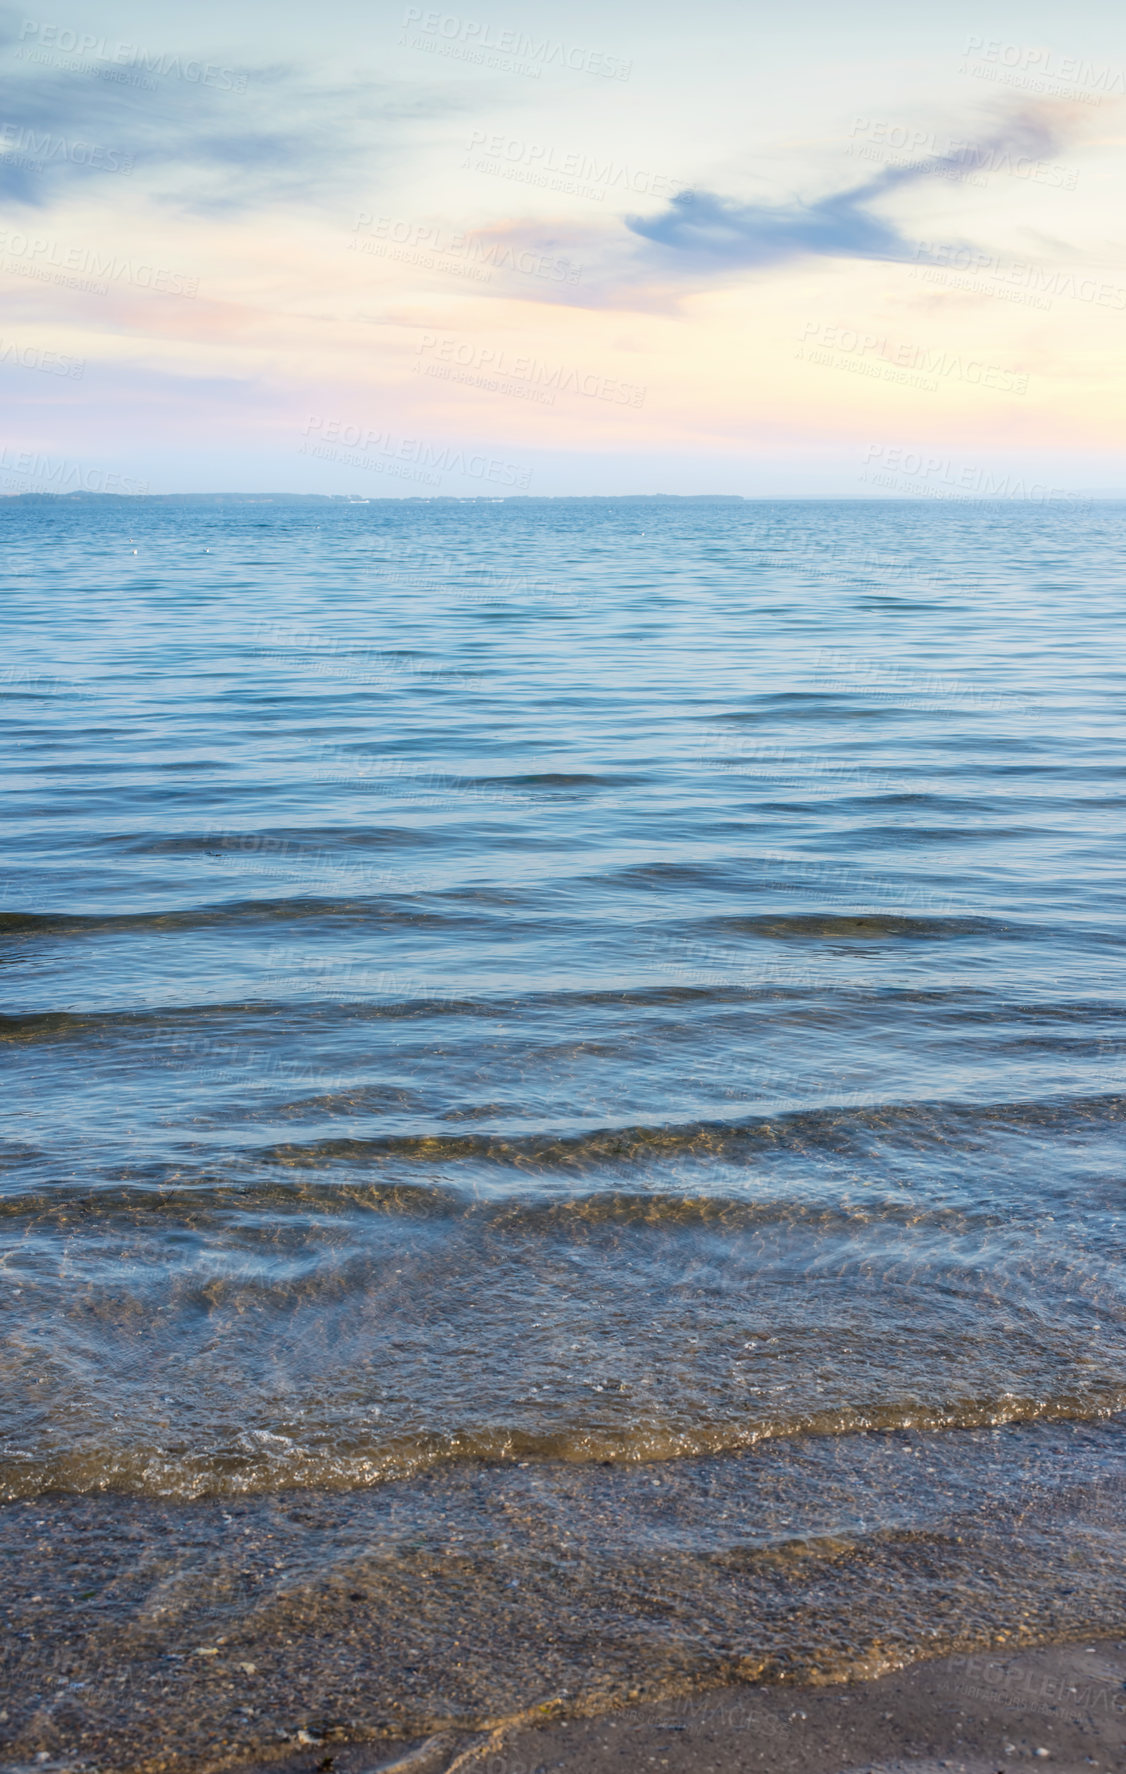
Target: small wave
242,1016
360,908
610,1153
791,705
869,926
296,844
562,780
162,1192
260,1461
833,1128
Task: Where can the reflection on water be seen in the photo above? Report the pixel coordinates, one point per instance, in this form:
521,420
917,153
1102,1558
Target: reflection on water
590,1123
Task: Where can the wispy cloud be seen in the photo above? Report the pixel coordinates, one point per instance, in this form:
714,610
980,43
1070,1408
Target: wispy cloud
279,136
649,264
704,232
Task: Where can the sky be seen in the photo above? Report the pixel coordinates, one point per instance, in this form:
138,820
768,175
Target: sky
385,251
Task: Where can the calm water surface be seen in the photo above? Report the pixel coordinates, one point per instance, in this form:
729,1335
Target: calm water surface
565,1089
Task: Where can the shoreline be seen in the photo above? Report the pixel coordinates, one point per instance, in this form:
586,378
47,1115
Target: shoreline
1060,1706
552,1611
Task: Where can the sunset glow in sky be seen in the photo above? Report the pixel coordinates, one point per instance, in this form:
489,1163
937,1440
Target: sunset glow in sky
387,250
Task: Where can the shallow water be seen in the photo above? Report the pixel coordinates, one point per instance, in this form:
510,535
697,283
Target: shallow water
571,982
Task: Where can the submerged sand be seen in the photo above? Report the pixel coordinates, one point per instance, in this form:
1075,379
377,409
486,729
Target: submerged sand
164,1637
1061,1708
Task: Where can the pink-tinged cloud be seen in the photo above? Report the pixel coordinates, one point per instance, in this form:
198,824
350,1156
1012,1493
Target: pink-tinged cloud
703,237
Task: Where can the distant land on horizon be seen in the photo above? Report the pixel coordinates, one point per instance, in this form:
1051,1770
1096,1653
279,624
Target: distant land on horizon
362,499
1106,494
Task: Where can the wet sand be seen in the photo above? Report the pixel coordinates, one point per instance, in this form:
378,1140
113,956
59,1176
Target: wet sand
334,1634
1063,1708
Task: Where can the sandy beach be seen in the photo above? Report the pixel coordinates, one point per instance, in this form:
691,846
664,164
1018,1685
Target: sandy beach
1062,1707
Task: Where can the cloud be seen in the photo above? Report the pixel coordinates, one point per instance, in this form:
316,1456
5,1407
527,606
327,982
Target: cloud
649,265
704,232
207,137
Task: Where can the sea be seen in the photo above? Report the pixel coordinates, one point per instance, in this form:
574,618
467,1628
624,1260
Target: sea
564,1111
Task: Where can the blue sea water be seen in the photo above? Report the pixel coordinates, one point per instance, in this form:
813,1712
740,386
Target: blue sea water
570,995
